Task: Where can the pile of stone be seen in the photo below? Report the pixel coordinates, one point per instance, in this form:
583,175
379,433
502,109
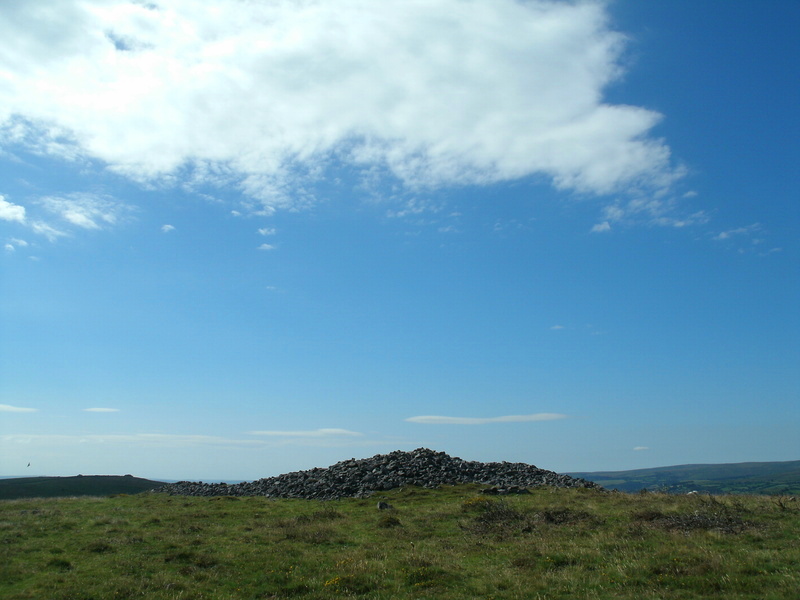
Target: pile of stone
361,478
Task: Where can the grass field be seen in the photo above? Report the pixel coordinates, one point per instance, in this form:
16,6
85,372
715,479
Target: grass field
445,544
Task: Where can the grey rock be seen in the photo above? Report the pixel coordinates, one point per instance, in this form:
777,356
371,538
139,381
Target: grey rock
361,478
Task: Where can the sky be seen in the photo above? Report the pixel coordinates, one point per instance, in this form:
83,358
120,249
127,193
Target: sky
242,238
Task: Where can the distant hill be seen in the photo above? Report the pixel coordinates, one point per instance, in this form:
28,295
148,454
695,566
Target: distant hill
734,478
81,485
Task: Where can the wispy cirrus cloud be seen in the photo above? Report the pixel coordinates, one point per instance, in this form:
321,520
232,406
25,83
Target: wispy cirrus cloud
16,409
749,238
440,420
48,231
266,94
738,232
85,210
101,410
659,210
59,215
315,433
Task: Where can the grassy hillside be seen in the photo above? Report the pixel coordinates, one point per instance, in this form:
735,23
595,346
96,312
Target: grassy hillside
81,485
735,478
447,544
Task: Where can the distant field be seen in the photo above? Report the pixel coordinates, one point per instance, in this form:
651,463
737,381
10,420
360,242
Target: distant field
774,478
81,485
451,543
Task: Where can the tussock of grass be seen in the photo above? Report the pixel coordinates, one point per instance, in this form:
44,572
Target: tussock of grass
448,543
387,521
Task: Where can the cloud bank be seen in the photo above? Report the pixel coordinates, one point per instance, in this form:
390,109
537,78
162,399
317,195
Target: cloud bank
436,420
264,94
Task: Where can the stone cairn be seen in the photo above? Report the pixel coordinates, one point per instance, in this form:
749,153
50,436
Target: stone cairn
361,478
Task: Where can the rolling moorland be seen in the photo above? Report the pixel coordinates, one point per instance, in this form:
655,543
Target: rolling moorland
736,478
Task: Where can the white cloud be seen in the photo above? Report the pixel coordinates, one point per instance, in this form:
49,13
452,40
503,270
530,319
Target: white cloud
18,242
640,448
556,327
50,232
16,409
167,228
266,247
10,211
88,211
650,210
101,410
267,231
9,248
413,206
309,433
436,420
697,218
263,93
739,231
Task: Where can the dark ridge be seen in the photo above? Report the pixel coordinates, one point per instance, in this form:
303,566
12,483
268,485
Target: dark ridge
81,485
361,478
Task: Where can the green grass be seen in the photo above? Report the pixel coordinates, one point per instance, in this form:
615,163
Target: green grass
445,544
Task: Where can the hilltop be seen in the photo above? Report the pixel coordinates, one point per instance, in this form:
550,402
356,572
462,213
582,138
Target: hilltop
361,478
427,468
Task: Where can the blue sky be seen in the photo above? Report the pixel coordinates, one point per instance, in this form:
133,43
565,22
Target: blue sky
251,238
